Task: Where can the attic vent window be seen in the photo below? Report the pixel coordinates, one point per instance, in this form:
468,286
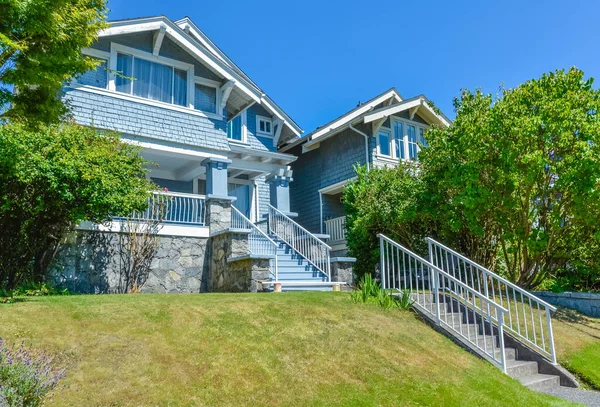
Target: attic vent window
264,126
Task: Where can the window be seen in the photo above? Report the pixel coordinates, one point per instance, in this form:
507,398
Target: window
422,137
411,134
384,143
234,129
407,137
264,125
399,139
152,80
205,98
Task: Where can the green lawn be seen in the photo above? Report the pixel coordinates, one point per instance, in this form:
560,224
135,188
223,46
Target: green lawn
577,339
252,349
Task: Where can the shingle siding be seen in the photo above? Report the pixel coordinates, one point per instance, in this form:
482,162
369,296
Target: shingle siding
329,164
130,117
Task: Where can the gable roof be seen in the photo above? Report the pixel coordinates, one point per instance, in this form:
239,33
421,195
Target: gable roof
338,124
416,104
188,36
366,113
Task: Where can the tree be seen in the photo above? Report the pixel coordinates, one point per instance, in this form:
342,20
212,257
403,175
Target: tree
520,176
40,49
383,200
54,178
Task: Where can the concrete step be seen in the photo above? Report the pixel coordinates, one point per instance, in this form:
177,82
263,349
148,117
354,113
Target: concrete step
521,368
540,382
510,353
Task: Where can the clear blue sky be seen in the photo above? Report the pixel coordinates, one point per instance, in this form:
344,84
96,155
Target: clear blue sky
317,59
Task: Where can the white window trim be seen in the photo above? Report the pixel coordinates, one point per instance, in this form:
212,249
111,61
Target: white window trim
211,84
263,133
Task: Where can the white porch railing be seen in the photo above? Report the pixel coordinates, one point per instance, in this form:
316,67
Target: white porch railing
336,229
313,249
174,207
529,317
258,242
446,299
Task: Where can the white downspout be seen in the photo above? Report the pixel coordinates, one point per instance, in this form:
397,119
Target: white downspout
366,142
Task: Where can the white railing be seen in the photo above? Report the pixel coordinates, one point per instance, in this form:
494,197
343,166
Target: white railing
529,317
174,207
313,249
258,242
336,229
450,302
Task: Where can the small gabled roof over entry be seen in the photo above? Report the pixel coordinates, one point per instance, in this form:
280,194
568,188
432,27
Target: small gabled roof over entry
238,91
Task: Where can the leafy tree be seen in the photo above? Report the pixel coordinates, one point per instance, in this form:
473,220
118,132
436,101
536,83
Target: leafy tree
521,176
54,178
383,200
40,49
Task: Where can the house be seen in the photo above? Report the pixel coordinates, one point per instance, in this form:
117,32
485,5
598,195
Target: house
243,200
214,135
383,131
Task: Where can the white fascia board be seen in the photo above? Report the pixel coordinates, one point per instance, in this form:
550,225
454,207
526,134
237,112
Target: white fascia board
280,115
348,118
385,112
421,103
175,33
119,226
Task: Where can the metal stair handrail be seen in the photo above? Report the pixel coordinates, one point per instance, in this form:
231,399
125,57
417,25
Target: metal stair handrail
402,270
525,321
258,241
313,249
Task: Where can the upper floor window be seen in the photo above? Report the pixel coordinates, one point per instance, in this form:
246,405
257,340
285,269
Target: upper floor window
384,143
151,80
264,126
406,140
234,129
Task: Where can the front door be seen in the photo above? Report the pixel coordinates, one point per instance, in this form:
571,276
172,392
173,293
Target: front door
242,193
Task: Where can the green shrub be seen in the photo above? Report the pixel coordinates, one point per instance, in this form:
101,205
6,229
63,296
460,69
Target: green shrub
54,178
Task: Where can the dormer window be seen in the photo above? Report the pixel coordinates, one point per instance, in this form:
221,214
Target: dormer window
264,126
151,80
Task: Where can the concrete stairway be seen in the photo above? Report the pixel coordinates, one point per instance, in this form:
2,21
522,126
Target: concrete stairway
294,270
520,368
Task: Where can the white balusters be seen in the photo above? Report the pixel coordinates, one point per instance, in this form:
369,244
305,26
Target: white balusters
529,318
314,250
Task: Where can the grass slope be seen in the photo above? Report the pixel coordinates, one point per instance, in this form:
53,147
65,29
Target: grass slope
577,339
291,349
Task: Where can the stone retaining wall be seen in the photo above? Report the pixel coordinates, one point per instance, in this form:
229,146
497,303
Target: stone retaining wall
91,262
586,303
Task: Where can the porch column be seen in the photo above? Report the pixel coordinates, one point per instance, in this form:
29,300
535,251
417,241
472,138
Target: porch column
218,203
280,191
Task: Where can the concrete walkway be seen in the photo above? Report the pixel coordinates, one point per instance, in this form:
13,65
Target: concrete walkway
585,397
